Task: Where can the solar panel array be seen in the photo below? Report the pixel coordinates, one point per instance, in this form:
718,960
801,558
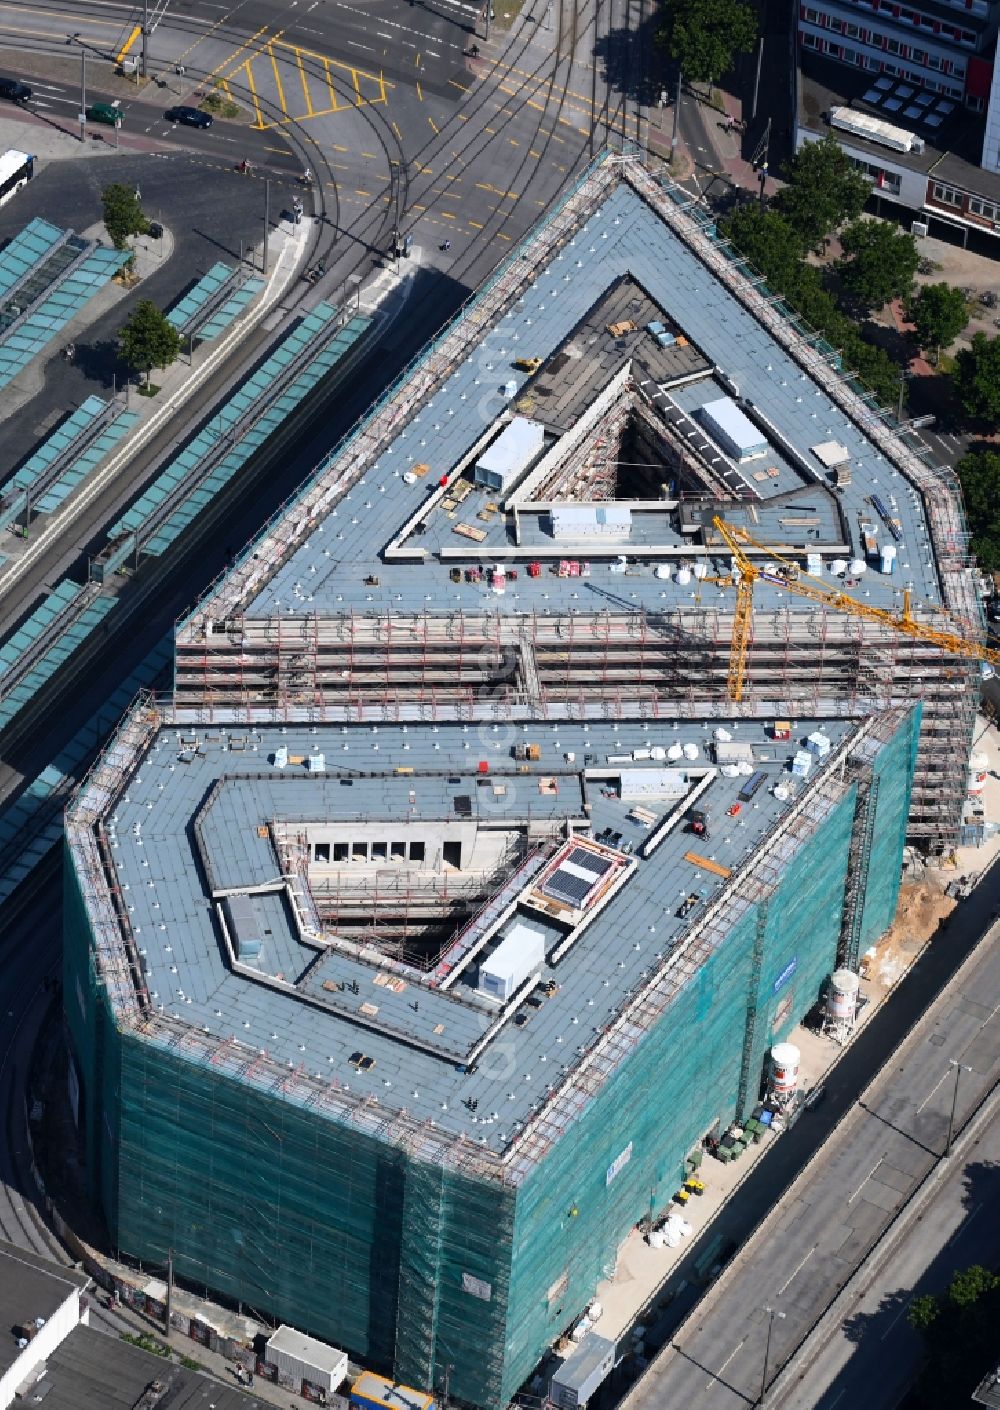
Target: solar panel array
897,99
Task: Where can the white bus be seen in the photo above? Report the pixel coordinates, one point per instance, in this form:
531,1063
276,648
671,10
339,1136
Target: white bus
16,170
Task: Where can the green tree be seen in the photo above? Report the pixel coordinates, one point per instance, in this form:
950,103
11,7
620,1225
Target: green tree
767,240
123,215
824,189
922,1312
958,1329
880,261
969,1284
147,340
977,377
704,36
980,478
939,313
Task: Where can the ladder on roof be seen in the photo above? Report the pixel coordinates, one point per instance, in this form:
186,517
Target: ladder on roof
858,862
750,1029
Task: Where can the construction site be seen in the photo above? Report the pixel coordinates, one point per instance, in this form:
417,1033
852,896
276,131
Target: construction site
521,787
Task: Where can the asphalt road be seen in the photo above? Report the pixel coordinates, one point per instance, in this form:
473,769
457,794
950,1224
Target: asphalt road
874,1354
810,1238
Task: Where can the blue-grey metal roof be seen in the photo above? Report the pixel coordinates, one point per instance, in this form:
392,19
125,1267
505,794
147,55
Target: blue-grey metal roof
625,234
221,794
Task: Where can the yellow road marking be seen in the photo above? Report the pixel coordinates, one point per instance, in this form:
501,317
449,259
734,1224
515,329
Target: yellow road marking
502,236
533,153
395,128
235,55
282,150
357,87
448,215
475,224
359,192
371,156
335,103
513,141
419,92
491,130
305,85
129,42
259,123
277,82
455,84
337,147
433,124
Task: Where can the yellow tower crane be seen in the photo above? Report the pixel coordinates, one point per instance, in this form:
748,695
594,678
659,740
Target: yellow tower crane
805,585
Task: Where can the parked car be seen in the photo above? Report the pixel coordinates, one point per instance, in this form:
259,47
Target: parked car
190,117
14,90
109,113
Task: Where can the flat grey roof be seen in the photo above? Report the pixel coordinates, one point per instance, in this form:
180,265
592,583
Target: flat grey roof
624,236
953,155
332,1005
92,1371
30,1287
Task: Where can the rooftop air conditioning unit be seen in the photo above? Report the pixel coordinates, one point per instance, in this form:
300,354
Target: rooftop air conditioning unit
919,228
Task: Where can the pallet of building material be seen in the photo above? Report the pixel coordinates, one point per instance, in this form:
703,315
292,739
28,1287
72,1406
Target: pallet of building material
707,864
420,469
469,531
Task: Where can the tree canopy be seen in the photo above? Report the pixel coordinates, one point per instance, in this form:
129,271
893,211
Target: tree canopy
880,261
123,215
704,36
939,313
148,340
980,479
977,377
823,190
958,1329
769,243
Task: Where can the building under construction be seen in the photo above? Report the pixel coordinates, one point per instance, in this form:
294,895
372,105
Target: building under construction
399,972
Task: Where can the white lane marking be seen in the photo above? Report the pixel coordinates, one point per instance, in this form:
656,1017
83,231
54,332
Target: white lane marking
895,1319
864,1182
797,1270
718,1374
933,1090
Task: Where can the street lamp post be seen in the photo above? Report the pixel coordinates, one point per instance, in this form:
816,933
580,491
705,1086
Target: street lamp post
83,95
677,116
771,1314
959,1069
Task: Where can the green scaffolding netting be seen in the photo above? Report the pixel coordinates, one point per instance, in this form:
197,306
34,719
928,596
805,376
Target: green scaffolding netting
431,1273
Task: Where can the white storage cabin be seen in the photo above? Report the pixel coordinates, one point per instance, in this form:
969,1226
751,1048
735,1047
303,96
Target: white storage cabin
732,430
591,521
306,1359
505,460
581,1373
520,953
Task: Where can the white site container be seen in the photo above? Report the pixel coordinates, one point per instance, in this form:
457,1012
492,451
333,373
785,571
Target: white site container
732,430
505,460
801,764
521,952
306,1359
818,743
